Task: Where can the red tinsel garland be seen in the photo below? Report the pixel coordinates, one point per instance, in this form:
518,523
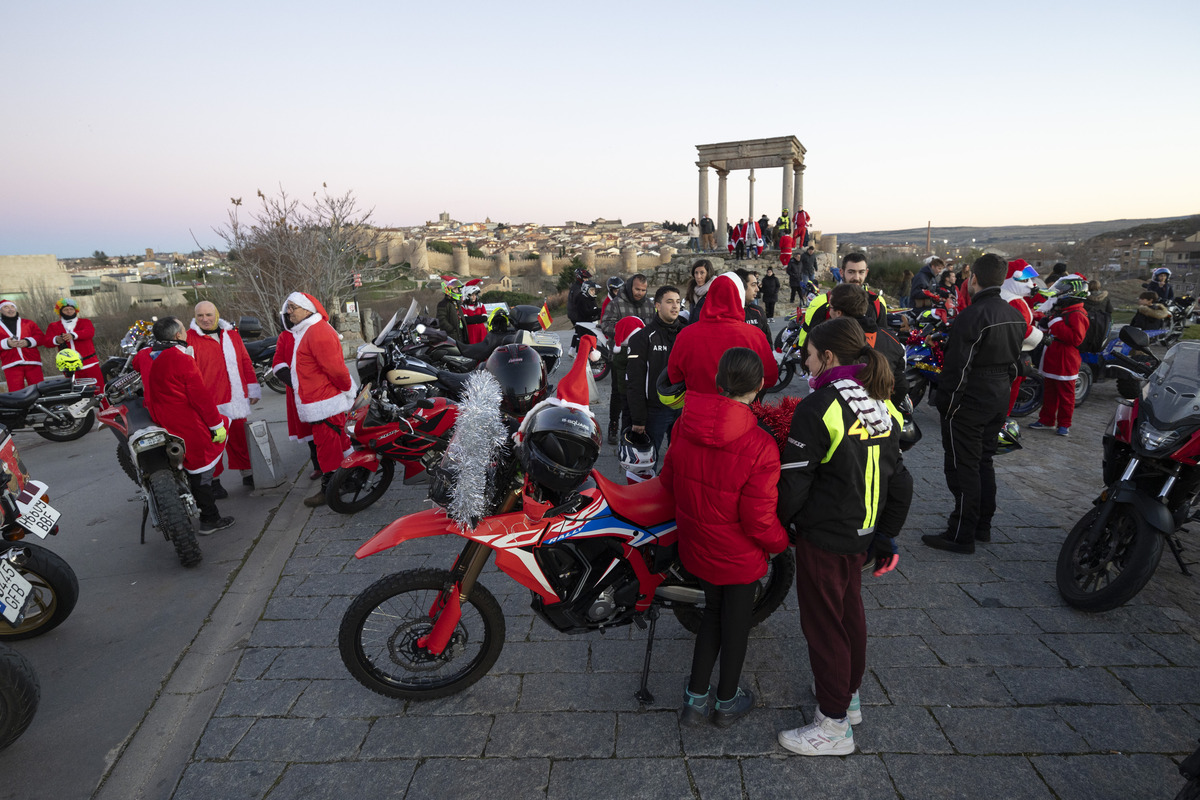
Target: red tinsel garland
777,418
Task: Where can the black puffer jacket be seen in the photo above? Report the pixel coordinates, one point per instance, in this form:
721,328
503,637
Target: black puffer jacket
649,349
982,350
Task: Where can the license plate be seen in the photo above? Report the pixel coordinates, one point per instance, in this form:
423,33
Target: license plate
37,516
14,592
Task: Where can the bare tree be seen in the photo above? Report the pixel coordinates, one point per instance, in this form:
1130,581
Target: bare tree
285,246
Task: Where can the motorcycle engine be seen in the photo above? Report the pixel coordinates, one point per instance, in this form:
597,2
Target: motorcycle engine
603,606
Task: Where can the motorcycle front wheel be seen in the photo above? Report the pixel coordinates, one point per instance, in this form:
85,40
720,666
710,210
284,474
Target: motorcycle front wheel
53,597
773,588
19,695
173,518
1029,397
73,429
1083,384
601,368
380,630
787,371
352,490
1108,572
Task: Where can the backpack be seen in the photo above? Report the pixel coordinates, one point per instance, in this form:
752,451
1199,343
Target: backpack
1098,325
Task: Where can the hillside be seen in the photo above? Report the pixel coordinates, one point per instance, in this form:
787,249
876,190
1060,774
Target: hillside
1028,234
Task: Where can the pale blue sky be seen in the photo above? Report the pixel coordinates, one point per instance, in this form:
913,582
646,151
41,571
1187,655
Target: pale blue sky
128,124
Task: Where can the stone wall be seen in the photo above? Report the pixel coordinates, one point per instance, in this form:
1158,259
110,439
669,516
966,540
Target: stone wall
20,275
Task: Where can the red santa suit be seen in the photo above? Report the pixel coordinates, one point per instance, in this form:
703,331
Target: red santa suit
785,249
297,431
801,222
82,341
22,365
181,403
474,315
1060,363
229,375
323,386
1015,290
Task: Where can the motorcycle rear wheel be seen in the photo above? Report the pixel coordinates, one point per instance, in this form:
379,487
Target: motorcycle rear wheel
1029,397
378,637
55,592
271,381
1109,573
601,368
19,695
125,459
74,429
352,490
173,518
773,588
787,371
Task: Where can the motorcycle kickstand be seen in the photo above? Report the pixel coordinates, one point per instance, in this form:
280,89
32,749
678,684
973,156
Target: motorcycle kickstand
145,515
643,695
1177,551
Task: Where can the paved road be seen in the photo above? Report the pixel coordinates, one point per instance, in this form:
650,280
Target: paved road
138,613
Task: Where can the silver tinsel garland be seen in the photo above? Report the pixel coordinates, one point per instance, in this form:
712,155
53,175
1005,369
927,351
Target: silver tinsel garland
475,448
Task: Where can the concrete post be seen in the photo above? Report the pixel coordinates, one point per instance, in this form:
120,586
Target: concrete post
751,217
722,210
666,253
798,192
629,259
461,262
547,263
589,258
787,187
703,191
503,265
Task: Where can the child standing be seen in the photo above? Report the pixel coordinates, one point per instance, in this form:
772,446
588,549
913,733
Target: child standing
1061,358
835,487
722,469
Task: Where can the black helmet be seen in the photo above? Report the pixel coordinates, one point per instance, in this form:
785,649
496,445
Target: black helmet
522,377
910,434
500,321
560,447
615,284
582,275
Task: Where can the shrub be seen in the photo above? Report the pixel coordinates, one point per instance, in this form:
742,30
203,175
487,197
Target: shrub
512,298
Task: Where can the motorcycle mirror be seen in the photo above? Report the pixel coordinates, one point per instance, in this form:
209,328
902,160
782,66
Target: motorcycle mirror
1135,337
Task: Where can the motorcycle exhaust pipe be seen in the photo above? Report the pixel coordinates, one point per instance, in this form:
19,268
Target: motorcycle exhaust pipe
174,450
681,594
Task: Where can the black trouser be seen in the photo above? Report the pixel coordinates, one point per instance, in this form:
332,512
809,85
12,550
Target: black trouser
201,485
969,440
770,304
724,630
795,287
618,414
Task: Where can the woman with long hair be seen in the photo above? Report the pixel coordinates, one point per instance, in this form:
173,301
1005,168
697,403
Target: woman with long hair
697,287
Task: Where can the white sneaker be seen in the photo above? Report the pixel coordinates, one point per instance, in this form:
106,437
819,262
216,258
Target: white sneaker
824,737
854,712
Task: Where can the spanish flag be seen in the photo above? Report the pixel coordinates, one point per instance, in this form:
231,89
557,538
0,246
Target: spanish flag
544,316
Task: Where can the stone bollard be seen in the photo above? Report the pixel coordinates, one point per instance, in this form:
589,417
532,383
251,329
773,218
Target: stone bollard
461,261
546,261
503,266
629,260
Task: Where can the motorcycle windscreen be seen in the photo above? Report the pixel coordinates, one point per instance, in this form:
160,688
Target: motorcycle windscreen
1172,393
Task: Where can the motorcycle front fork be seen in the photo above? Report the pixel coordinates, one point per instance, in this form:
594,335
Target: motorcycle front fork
1163,494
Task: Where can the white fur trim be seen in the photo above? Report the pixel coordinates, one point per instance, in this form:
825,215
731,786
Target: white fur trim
238,406
324,409
255,391
299,299
208,466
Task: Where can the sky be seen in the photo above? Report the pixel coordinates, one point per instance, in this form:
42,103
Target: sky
128,125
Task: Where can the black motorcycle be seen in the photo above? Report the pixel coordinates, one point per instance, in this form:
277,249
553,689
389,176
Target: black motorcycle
60,409
1151,471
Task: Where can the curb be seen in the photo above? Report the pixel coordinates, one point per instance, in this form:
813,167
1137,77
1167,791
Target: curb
154,756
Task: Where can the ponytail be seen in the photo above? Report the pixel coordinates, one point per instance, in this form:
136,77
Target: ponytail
844,338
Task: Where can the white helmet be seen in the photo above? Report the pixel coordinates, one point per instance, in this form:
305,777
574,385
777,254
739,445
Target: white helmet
637,455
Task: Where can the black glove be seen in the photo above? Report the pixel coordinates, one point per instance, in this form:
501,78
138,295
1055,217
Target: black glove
284,374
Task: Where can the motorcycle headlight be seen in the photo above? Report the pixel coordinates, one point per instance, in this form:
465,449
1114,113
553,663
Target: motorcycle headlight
150,440
1151,439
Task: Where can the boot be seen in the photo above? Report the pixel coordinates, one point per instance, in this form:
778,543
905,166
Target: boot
317,498
218,491
612,433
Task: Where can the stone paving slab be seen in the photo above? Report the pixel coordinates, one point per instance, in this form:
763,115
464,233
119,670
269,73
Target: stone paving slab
981,683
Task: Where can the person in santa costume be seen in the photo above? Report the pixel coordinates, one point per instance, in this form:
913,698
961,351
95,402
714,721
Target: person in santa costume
1016,289
180,402
19,348
474,314
323,386
229,375
1061,358
298,430
71,330
801,222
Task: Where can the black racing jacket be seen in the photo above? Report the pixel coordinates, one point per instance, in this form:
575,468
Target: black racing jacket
649,350
981,354
890,348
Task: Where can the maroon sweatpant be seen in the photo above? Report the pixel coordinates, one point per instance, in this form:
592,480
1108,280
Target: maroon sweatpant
1058,403
829,589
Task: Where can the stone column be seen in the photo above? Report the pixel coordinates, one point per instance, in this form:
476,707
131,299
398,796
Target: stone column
751,217
395,250
503,266
722,210
703,191
798,192
460,261
787,187
589,258
547,263
666,253
629,259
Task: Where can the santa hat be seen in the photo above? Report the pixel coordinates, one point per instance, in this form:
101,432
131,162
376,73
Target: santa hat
626,327
577,389
1021,270
305,300
4,303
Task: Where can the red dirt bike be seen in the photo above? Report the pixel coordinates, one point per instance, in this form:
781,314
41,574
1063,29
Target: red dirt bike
594,556
382,434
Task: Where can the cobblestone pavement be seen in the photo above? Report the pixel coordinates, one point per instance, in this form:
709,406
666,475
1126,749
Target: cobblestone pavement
981,683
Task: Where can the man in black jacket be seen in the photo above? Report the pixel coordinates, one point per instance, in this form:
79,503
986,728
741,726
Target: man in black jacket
973,391
649,350
754,314
708,234
848,300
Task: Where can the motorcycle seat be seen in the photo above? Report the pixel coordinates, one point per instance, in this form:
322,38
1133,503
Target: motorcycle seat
454,381
56,385
22,398
260,348
646,504
481,350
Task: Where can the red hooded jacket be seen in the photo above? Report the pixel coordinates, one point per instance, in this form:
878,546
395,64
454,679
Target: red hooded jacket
722,325
184,406
723,471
